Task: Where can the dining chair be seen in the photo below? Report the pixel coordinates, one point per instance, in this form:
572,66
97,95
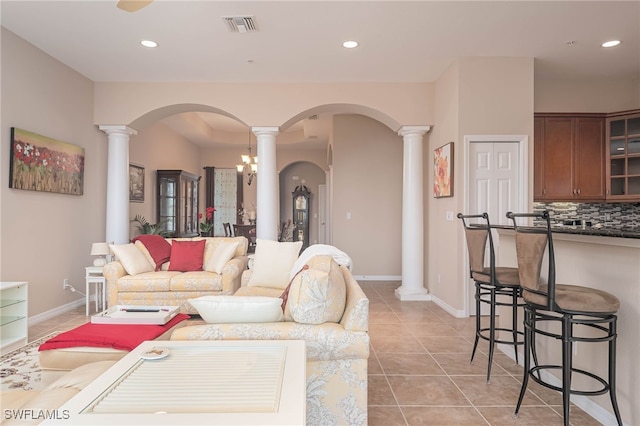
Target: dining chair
227,229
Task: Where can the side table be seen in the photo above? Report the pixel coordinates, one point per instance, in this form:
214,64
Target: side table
94,276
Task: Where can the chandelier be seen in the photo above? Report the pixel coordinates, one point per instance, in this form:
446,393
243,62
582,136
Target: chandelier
249,164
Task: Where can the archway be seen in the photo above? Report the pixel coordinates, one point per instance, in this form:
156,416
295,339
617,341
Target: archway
304,173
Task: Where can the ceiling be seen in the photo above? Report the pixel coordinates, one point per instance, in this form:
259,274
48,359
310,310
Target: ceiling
300,41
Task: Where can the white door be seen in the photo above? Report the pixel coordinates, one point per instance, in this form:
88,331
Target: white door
494,182
494,177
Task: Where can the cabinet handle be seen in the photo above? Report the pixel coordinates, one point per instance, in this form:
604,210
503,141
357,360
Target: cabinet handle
578,191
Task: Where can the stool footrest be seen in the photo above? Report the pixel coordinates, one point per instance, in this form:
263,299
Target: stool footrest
481,334
605,386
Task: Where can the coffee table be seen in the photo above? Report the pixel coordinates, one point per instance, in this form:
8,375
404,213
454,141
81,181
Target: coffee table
230,382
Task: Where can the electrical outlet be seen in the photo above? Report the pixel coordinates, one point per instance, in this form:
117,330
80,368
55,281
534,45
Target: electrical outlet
65,284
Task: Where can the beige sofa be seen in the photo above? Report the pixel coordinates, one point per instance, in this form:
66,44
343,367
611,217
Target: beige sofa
172,288
337,352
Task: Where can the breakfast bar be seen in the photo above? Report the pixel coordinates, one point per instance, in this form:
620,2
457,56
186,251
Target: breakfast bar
606,259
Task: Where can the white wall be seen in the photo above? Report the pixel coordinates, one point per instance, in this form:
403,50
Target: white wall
46,237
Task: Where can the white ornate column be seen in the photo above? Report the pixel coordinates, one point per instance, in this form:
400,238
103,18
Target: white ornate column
267,196
412,287
117,229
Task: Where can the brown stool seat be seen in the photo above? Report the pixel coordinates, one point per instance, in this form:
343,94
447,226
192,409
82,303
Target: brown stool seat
504,276
576,299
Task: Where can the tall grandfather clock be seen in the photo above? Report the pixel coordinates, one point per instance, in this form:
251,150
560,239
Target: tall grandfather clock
301,199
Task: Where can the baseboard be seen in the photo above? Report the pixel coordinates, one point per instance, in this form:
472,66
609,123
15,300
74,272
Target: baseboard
587,405
44,316
450,309
378,277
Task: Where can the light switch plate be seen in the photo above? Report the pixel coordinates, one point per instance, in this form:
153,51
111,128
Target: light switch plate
450,216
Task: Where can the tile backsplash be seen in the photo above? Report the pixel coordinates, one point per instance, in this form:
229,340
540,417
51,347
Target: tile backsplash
610,215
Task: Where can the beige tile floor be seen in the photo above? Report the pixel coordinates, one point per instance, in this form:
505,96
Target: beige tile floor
419,371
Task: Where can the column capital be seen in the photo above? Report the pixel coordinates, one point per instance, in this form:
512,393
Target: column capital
413,130
258,131
118,129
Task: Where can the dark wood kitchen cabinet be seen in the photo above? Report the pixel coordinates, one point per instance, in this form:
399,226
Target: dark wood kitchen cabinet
569,157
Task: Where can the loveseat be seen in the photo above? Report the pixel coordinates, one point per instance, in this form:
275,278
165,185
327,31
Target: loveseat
337,341
146,274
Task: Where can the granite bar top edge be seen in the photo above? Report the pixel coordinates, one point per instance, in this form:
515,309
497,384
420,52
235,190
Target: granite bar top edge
598,232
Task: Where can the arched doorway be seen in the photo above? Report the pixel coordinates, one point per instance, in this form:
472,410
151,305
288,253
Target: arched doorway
308,174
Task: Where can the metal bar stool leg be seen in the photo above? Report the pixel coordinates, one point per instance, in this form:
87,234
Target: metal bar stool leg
492,332
528,338
612,369
514,321
567,346
478,325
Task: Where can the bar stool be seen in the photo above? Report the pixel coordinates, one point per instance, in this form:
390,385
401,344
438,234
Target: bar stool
492,283
568,305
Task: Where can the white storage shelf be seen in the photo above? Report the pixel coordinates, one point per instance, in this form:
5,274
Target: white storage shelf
13,315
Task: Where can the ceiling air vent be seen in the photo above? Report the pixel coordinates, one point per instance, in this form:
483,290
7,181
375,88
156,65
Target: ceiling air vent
240,24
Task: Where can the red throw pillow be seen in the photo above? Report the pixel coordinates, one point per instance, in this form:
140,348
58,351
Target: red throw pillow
186,255
159,249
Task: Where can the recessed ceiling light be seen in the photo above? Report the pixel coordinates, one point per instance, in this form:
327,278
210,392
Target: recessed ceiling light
350,44
149,43
611,43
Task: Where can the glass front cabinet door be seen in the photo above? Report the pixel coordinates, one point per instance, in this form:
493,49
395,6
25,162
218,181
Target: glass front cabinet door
301,198
177,197
623,155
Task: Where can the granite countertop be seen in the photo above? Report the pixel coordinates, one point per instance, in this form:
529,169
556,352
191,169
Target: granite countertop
625,232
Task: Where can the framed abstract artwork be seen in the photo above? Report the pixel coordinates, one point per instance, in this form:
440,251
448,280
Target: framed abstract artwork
443,171
40,163
136,183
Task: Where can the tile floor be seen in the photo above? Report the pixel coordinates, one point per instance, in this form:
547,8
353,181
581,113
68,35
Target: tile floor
419,371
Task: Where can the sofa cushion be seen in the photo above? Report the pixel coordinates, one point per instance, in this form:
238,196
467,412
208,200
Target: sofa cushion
237,309
147,282
186,255
317,294
224,252
131,258
273,262
196,281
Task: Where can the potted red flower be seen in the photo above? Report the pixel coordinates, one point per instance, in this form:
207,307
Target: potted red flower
206,226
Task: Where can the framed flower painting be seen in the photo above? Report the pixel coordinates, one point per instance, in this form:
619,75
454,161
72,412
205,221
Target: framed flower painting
443,171
39,163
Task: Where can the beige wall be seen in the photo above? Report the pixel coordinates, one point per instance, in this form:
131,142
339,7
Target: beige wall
587,95
441,253
476,96
367,182
157,147
272,104
46,237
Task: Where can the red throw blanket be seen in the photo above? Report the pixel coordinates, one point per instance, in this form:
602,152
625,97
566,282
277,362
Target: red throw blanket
116,336
159,248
